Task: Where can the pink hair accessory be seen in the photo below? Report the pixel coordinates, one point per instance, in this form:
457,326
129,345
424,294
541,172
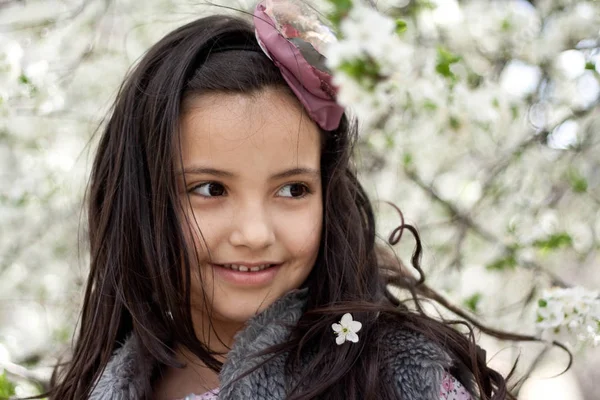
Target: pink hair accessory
292,36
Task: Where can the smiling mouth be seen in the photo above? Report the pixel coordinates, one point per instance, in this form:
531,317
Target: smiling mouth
244,268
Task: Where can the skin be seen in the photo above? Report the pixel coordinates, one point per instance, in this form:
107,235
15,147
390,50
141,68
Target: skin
235,149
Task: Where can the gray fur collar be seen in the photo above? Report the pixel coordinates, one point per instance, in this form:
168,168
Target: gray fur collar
414,364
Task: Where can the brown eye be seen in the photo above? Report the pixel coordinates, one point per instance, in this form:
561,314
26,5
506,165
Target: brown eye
209,189
294,190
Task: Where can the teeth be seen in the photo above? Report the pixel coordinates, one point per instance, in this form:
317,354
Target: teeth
243,268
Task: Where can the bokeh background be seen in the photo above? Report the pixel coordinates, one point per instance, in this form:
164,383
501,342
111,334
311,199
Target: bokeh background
490,147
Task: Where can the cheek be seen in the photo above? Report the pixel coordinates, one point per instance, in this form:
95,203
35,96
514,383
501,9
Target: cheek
194,245
301,232
205,229
199,239
194,235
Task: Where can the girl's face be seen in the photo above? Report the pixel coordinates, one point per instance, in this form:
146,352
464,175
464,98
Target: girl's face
253,177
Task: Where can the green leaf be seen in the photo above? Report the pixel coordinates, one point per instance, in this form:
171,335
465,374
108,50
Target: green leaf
578,182
407,159
365,71
474,80
7,388
429,105
445,59
426,5
554,241
590,66
473,301
401,26
542,303
341,10
503,263
24,79
454,123
539,318
579,185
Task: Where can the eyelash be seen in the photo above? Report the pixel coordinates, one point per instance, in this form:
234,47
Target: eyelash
305,187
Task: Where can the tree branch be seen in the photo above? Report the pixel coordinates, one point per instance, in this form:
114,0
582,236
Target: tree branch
454,212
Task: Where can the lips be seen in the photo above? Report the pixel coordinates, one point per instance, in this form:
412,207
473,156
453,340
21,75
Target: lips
247,275
246,268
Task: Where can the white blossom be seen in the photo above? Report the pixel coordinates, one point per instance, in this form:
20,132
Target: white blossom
571,314
346,329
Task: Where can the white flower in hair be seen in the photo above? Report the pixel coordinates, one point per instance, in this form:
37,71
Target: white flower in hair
346,329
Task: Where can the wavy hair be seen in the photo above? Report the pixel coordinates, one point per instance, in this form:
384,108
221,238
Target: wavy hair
137,234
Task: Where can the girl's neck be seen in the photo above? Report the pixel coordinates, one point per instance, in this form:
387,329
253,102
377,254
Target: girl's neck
215,333
196,377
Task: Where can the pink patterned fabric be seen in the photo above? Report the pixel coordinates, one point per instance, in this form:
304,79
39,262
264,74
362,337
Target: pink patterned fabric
210,395
451,389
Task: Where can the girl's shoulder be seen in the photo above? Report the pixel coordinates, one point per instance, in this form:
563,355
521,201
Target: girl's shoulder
127,373
416,365
400,345
399,341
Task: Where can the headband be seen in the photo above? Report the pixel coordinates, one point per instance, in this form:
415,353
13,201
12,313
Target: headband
293,37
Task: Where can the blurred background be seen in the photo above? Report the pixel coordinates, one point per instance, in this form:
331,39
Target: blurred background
491,149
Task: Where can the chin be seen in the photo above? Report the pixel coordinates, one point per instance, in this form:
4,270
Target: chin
240,308
235,298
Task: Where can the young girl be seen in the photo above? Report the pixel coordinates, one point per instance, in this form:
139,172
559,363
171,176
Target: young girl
233,250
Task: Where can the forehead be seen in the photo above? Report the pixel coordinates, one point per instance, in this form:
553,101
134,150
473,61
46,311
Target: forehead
248,134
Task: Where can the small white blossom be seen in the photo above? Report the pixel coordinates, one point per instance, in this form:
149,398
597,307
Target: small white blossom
346,329
572,313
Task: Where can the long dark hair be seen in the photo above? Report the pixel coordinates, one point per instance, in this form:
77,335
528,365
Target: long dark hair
137,235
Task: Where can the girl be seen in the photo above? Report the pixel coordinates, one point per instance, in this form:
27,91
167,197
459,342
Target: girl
233,250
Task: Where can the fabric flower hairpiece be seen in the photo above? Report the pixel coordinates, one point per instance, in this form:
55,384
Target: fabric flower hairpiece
292,36
346,329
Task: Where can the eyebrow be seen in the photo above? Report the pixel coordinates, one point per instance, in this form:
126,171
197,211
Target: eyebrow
226,174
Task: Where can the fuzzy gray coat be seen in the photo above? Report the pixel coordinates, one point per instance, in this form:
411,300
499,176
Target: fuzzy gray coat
414,364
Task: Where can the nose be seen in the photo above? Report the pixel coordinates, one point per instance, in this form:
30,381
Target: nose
252,228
